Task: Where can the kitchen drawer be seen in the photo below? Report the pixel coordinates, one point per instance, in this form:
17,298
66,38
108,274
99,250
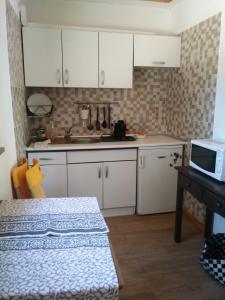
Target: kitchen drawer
214,203
190,186
74,157
48,158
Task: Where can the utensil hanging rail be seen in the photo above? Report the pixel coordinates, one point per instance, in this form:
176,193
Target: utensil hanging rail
97,103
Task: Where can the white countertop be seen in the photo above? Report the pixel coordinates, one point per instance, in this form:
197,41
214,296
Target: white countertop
151,141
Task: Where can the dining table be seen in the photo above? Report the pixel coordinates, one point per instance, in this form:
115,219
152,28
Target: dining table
55,248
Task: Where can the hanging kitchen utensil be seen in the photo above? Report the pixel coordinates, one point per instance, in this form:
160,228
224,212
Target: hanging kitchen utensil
97,124
90,126
104,124
109,116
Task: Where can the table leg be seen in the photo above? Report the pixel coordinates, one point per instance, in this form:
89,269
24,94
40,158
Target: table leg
179,209
208,223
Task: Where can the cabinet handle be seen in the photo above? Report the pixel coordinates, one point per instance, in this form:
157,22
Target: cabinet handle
99,172
141,161
103,77
159,63
58,75
66,76
45,158
106,172
161,157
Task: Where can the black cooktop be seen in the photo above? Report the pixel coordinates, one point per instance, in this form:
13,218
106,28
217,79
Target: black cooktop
111,138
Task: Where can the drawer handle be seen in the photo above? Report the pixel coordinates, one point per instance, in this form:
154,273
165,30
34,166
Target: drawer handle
45,158
159,63
161,157
218,205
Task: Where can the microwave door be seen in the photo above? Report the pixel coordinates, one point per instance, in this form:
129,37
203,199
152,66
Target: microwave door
204,158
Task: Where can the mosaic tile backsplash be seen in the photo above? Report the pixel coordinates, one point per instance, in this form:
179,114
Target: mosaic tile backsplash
143,107
18,91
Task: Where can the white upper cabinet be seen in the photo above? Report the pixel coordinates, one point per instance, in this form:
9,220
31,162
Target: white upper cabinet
156,51
80,58
42,57
115,60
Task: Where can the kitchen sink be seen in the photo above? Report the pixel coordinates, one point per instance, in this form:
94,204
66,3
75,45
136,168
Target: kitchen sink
90,140
84,140
76,140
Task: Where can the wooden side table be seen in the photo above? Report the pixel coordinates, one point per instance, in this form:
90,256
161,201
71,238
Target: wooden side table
206,190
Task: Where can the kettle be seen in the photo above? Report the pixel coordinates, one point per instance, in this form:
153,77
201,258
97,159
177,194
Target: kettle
120,130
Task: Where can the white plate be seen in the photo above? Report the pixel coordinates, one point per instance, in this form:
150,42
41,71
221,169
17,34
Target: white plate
39,104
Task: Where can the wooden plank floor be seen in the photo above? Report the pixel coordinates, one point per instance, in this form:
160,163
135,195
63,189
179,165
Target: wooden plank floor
156,268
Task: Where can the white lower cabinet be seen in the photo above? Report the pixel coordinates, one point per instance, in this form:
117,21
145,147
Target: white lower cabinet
85,180
119,184
54,168
55,180
112,181
157,179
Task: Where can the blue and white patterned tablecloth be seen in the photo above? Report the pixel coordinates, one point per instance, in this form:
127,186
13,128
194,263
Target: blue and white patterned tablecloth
50,268
50,216
55,249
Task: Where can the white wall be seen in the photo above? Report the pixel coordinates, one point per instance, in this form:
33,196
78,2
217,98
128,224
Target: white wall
15,5
186,14
99,14
7,136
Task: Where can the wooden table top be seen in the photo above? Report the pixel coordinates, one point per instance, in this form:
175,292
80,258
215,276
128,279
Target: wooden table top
207,182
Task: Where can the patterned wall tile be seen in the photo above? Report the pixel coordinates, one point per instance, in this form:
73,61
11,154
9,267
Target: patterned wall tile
18,91
192,91
142,107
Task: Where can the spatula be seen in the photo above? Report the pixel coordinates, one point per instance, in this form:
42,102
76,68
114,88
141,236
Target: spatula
97,124
104,123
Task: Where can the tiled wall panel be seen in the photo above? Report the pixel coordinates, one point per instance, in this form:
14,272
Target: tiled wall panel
192,91
18,91
141,107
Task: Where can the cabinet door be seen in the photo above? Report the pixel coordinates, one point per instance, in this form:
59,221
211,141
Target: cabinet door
85,180
119,186
115,60
80,58
157,180
156,51
42,57
55,180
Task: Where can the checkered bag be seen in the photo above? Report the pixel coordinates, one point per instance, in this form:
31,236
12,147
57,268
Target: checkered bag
212,258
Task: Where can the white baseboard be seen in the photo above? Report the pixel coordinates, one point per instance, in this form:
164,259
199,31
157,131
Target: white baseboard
124,211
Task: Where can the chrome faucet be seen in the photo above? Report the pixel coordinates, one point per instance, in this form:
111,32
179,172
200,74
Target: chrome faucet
68,132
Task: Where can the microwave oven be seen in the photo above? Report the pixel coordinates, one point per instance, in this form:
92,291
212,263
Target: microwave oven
208,156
